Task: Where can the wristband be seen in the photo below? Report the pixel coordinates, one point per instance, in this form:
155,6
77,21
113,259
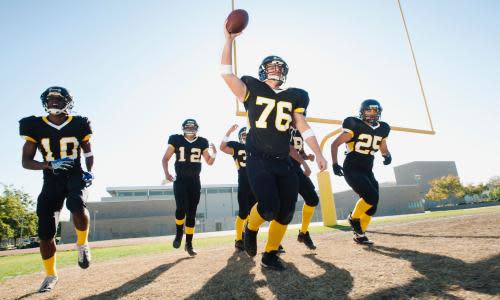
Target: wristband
226,69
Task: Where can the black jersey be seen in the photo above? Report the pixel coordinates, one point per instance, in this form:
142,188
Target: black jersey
188,154
269,116
57,141
365,141
239,155
297,142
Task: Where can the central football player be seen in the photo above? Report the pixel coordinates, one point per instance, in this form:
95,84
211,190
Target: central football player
270,109
188,148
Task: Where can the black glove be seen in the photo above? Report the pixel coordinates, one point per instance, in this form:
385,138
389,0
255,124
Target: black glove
387,159
337,170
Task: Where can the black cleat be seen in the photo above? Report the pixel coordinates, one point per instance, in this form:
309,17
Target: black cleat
189,249
239,245
281,250
271,260
250,241
355,225
306,239
177,241
362,239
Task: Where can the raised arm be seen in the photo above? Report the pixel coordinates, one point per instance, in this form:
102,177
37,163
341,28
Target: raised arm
309,137
236,85
223,145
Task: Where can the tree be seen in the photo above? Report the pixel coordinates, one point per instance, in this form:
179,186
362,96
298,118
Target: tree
471,190
17,216
442,188
495,194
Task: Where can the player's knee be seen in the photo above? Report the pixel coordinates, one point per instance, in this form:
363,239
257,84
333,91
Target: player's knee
372,210
312,200
190,221
285,219
46,233
75,206
243,214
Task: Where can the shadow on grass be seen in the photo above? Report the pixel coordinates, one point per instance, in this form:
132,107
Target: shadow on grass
436,236
137,283
441,274
340,227
334,283
234,281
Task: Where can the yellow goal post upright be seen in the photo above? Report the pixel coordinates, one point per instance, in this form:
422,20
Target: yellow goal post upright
327,201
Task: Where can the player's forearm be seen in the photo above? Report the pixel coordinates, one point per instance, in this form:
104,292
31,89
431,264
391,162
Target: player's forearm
35,165
227,58
89,163
312,142
164,163
295,155
334,150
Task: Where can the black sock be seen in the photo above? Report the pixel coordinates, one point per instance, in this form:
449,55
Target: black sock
189,239
179,230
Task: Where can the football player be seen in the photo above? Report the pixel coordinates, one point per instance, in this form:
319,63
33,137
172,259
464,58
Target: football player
270,109
246,198
363,136
306,187
59,137
188,149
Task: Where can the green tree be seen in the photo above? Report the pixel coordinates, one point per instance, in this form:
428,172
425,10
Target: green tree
17,216
471,190
444,187
495,194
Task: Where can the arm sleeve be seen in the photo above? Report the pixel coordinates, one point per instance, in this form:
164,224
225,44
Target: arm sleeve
302,103
204,145
232,145
26,130
171,141
349,125
87,130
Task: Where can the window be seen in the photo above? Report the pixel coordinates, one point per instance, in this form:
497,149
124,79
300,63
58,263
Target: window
124,194
140,193
156,193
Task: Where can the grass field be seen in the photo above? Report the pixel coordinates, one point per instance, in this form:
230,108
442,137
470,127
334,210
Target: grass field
12,266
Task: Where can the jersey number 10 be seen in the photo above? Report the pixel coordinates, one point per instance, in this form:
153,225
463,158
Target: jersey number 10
63,146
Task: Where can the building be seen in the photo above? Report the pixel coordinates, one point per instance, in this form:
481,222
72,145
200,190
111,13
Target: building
150,210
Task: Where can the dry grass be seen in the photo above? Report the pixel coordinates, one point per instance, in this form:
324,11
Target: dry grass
451,258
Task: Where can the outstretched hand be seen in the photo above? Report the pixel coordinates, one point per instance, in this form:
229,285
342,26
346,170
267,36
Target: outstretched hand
230,36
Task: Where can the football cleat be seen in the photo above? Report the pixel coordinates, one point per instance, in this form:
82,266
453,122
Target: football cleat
305,238
239,245
84,257
189,249
362,239
271,260
250,241
281,250
48,284
355,225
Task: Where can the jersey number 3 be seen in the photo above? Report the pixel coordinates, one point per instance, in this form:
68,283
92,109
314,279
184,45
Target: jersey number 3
281,115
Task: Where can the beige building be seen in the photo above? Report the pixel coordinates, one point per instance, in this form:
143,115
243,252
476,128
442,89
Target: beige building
149,210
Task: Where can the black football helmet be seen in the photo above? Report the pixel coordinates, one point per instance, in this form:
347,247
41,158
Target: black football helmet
370,104
190,127
242,135
57,92
273,61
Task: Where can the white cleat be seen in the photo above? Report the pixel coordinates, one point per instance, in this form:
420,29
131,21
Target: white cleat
84,257
48,284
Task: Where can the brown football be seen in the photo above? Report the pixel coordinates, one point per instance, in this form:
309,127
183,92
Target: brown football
237,21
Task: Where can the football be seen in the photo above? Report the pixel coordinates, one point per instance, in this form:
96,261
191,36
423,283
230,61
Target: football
237,21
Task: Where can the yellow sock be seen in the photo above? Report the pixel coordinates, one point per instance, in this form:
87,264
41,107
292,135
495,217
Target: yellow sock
307,214
238,225
49,265
365,220
255,220
360,209
189,230
82,237
179,222
276,234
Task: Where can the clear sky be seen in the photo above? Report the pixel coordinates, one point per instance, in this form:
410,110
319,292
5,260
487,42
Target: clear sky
137,69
